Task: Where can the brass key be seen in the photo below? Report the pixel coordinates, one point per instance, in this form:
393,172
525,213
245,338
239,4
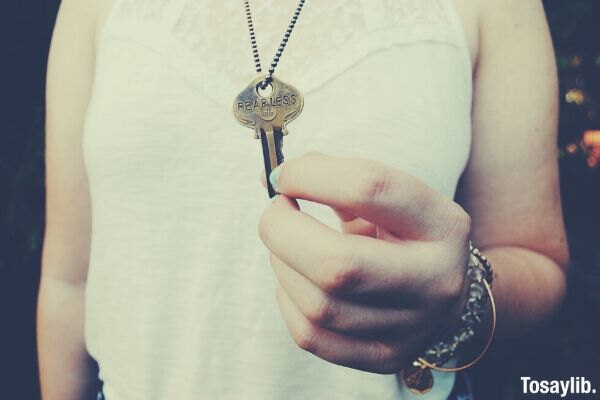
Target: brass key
268,111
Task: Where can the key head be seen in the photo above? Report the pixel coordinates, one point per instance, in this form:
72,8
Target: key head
277,105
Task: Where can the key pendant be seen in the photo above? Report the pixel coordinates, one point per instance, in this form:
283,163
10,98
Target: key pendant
268,111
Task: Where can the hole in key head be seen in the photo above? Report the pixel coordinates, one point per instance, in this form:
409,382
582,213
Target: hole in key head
264,90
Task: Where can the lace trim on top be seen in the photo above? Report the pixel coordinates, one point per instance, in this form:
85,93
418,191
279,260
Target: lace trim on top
209,42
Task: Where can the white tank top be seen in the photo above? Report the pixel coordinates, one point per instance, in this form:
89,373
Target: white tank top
180,300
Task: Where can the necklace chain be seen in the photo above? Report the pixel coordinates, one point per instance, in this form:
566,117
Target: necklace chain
281,47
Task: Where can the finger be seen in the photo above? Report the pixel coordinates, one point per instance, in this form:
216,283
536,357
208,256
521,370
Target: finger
344,215
382,195
366,355
327,311
354,225
359,226
349,223
345,264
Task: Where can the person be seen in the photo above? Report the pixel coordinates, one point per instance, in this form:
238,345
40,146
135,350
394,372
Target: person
426,124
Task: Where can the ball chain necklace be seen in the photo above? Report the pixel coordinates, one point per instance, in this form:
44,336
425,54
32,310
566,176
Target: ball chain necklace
267,104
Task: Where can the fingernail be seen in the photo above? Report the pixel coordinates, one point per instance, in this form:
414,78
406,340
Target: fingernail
274,176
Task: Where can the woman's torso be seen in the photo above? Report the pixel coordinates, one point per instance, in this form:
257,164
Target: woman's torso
180,297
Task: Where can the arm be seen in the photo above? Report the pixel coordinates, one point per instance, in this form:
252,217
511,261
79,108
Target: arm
66,370
510,187
376,295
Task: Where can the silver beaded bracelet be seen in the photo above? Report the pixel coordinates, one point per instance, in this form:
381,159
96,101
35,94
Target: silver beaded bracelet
418,376
478,270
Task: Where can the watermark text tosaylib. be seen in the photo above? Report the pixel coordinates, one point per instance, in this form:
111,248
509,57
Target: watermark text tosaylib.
562,387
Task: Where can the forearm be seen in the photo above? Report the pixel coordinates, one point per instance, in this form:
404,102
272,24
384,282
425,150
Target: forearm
67,372
528,288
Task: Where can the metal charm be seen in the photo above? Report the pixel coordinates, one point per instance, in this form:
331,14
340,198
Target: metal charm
268,111
418,379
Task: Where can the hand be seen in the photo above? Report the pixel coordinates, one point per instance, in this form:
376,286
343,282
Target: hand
376,294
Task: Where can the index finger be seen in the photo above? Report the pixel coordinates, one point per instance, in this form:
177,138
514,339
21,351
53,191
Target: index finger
385,196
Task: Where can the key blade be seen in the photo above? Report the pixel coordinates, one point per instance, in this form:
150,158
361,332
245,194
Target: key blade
271,141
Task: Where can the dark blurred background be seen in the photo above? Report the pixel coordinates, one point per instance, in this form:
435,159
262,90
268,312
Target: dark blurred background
25,28
570,346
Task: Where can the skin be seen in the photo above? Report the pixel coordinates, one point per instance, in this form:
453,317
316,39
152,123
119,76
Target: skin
376,294
66,370
370,296
398,263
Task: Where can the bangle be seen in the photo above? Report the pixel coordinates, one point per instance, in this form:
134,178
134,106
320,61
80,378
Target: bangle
424,362
418,378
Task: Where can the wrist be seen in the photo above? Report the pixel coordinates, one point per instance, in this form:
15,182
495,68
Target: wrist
478,281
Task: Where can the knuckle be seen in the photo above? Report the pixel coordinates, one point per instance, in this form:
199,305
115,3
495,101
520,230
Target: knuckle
306,337
459,222
345,274
325,312
373,183
450,288
449,280
387,357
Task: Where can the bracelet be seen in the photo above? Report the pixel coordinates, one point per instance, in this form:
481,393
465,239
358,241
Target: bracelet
485,348
478,271
418,377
